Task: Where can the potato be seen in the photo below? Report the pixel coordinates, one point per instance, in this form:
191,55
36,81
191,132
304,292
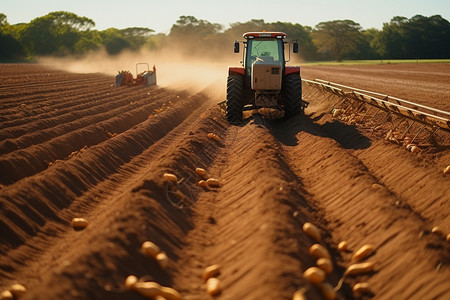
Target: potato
363,252
299,295
325,264
211,271
79,223
447,170
343,246
437,230
314,275
18,290
376,186
319,251
328,291
202,183
415,149
361,288
148,289
150,249
312,231
201,172
360,268
213,136
448,237
213,286
170,177
6,295
162,260
170,293
130,282
212,182
337,112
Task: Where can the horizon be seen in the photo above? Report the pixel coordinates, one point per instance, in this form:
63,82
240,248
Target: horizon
121,15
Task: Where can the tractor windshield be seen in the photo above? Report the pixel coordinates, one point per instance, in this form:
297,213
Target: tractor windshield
269,50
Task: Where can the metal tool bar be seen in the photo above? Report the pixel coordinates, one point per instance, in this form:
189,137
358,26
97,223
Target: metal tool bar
426,118
387,98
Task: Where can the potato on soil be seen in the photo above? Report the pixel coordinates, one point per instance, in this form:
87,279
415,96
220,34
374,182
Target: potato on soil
213,136
361,288
200,172
319,251
18,290
343,246
312,231
213,182
79,223
6,295
170,177
360,268
170,293
130,282
328,291
448,237
213,286
437,230
299,295
162,260
325,264
211,271
150,249
363,252
314,275
147,289
447,170
202,183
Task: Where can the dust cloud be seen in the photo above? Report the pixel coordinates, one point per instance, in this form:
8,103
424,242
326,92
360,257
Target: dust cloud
173,70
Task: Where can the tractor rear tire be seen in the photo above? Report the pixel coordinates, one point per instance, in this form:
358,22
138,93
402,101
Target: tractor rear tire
292,95
235,89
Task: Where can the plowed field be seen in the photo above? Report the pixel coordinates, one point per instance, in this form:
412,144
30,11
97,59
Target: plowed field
71,145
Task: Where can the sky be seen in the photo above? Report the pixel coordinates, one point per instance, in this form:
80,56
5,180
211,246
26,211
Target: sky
160,15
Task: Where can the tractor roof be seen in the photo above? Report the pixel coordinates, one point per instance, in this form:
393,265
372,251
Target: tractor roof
264,34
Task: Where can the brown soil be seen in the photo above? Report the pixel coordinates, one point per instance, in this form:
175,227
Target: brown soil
71,145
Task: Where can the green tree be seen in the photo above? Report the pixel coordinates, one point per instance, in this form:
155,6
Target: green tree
418,37
195,37
55,33
303,35
136,36
337,38
11,49
3,20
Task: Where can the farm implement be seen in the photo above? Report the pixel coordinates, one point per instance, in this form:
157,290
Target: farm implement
400,121
146,77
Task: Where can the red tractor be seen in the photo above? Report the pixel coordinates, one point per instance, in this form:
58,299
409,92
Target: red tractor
264,84
147,77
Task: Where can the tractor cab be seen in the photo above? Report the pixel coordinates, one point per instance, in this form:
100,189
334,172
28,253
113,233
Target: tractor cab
263,47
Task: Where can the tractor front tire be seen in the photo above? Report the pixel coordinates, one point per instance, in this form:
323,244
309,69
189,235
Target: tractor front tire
235,89
292,95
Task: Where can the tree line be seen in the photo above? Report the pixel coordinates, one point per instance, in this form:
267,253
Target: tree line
64,33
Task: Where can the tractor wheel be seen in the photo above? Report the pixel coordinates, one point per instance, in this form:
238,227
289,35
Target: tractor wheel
235,88
292,95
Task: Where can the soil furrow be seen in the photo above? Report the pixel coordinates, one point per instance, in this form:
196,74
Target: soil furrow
274,175
47,128
54,190
357,211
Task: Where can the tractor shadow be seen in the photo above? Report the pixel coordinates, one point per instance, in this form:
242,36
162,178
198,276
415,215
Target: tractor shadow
286,131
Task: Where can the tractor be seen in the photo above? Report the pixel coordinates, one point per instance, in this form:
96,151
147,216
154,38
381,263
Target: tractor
146,77
264,84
